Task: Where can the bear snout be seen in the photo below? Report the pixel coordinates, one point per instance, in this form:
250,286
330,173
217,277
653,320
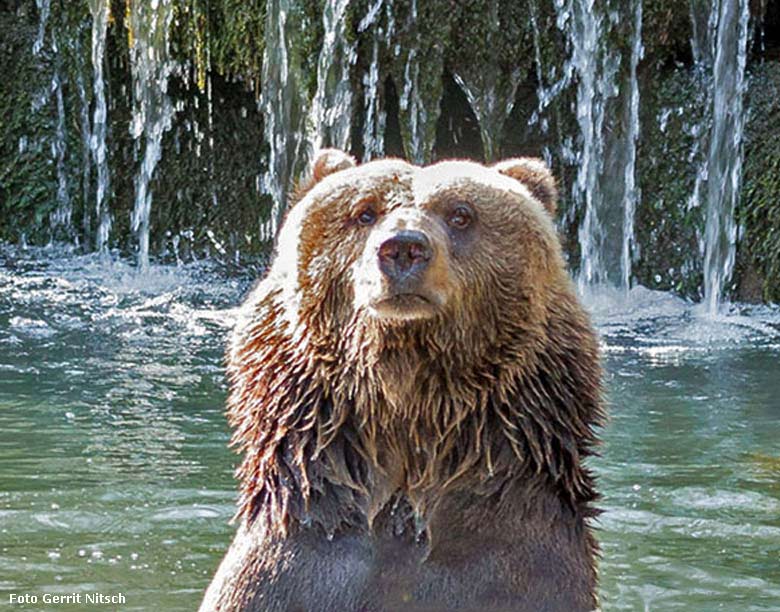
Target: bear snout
405,254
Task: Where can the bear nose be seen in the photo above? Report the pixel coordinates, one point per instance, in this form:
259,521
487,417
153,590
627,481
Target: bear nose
405,253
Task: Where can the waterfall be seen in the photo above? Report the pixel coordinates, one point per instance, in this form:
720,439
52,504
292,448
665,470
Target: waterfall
375,118
596,67
100,13
607,113
724,158
595,80
152,108
418,104
490,92
368,75
86,151
44,9
284,104
331,110
410,103
631,195
62,214
547,93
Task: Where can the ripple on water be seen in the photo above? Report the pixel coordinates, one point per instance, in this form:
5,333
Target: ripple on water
724,500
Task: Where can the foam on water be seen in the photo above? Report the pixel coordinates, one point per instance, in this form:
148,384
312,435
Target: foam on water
62,289
658,323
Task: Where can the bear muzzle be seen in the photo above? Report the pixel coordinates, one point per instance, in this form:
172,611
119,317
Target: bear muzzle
404,255
403,273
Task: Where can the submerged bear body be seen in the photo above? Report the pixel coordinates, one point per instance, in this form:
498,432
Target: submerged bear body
414,389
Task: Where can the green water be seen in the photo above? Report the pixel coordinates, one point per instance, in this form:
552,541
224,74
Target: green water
115,476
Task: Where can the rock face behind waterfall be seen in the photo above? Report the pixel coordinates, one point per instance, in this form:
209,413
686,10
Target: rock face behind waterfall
414,391
636,106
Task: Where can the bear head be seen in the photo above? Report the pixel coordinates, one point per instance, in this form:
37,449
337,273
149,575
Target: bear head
416,328
386,246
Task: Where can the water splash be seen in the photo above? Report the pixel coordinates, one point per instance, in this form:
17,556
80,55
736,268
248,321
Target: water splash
100,13
331,109
664,326
152,108
284,104
724,159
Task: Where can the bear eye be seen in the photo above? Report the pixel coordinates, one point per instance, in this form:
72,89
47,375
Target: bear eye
461,217
367,216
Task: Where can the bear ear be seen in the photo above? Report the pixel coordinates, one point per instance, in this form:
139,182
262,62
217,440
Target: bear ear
325,162
536,176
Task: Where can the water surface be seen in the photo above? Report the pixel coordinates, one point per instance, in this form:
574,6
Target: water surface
115,474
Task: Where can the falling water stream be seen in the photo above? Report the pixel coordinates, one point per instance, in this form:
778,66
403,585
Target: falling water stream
62,214
375,120
285,106
152,110
60,218
631,193
724,160
100,13
331,110
607,111
44,9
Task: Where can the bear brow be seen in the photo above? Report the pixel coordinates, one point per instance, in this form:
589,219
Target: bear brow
365,200
382,198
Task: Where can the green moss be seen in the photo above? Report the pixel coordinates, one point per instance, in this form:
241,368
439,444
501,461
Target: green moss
667,31
27,173
235,31
667,224
759,209
205,187
416,55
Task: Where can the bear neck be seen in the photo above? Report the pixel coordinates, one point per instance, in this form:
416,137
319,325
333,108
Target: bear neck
334,439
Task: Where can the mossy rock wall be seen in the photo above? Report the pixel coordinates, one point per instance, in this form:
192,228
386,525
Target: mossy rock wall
758,262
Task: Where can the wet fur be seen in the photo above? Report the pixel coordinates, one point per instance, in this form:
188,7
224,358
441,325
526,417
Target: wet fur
434,465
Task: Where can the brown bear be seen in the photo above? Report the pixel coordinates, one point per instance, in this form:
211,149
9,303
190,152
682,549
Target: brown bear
414,389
